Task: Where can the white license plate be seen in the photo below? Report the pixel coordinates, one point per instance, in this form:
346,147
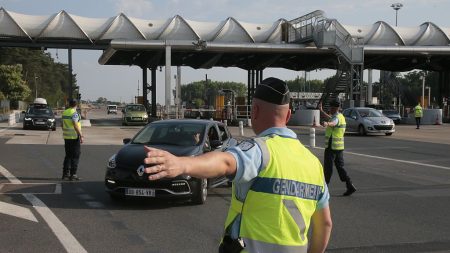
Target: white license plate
39,123
137,118
140,192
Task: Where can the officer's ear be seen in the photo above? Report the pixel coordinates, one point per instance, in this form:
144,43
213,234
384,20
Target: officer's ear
288,115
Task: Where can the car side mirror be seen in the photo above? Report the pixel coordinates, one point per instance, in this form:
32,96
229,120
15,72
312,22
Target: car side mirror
215,144
353,117
126,140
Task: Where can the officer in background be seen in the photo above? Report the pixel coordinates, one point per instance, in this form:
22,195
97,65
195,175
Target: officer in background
418,114
73,137
280,181
334,146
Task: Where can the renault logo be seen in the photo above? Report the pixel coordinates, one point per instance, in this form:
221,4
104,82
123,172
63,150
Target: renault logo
140,170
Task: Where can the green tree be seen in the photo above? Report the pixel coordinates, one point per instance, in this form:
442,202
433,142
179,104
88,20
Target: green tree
12,86
298,85
39,71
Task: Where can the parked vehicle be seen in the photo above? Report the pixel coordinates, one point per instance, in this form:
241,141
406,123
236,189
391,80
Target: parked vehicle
134,114
393,114
39,116
364,120
111,109
125,176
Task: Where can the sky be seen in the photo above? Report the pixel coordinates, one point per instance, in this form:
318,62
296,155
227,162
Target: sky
120,83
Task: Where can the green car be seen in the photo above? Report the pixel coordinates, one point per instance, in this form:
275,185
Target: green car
134,114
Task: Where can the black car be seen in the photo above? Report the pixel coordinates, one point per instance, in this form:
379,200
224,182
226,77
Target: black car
39,116
394,115
125,170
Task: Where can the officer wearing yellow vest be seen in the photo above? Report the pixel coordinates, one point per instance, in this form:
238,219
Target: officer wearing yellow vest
279,189
73,137
334,146
418,114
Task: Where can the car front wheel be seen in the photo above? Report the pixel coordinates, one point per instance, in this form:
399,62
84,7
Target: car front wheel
200,192
361,130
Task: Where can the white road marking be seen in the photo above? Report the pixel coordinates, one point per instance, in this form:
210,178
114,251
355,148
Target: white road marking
394,160
58,189
17,211
69,242
9,176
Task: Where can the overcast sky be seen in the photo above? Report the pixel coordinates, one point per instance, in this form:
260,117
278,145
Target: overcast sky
121,82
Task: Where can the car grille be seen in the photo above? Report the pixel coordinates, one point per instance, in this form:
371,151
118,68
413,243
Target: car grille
134,118
383,127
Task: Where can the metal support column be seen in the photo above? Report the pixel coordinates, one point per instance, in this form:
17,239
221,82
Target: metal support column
168,79
144,88
257,80
153,91
261,75
369,87
253,83
249,81
69,51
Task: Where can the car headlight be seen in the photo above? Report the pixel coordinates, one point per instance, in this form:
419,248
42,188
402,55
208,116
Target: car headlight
145,116
27,119
112,162
51,120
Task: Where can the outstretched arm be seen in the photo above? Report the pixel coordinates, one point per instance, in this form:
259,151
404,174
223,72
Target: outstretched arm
321,230
323,112
212,164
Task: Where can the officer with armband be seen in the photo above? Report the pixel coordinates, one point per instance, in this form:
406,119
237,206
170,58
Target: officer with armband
279,189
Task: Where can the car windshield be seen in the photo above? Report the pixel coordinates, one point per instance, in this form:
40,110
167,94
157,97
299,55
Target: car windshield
40,111
178,134
369,113
138,108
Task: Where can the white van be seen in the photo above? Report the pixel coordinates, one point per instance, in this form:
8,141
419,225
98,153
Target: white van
112,109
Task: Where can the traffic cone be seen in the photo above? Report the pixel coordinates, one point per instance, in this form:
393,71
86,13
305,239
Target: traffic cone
437,122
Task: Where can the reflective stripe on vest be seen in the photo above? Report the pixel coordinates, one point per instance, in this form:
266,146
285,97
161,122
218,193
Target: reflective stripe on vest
68,127
336,134
278,207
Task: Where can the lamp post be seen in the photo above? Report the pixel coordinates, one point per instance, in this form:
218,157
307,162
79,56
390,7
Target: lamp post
423,90
35,85
396,7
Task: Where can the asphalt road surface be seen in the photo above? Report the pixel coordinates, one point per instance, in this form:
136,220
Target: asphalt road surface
401,204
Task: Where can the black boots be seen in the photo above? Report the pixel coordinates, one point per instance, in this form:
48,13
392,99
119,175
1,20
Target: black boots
350,188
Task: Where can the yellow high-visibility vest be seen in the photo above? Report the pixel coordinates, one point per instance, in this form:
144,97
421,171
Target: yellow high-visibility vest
418,112
281,201
68,127
336,134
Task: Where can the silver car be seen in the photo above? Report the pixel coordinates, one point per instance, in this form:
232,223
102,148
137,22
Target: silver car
364,120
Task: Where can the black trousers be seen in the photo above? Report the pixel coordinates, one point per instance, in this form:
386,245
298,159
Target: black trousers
336,156
73,151
418,122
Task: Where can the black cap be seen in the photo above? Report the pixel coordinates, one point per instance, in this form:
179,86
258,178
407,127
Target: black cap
335,103
273,90
73,102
